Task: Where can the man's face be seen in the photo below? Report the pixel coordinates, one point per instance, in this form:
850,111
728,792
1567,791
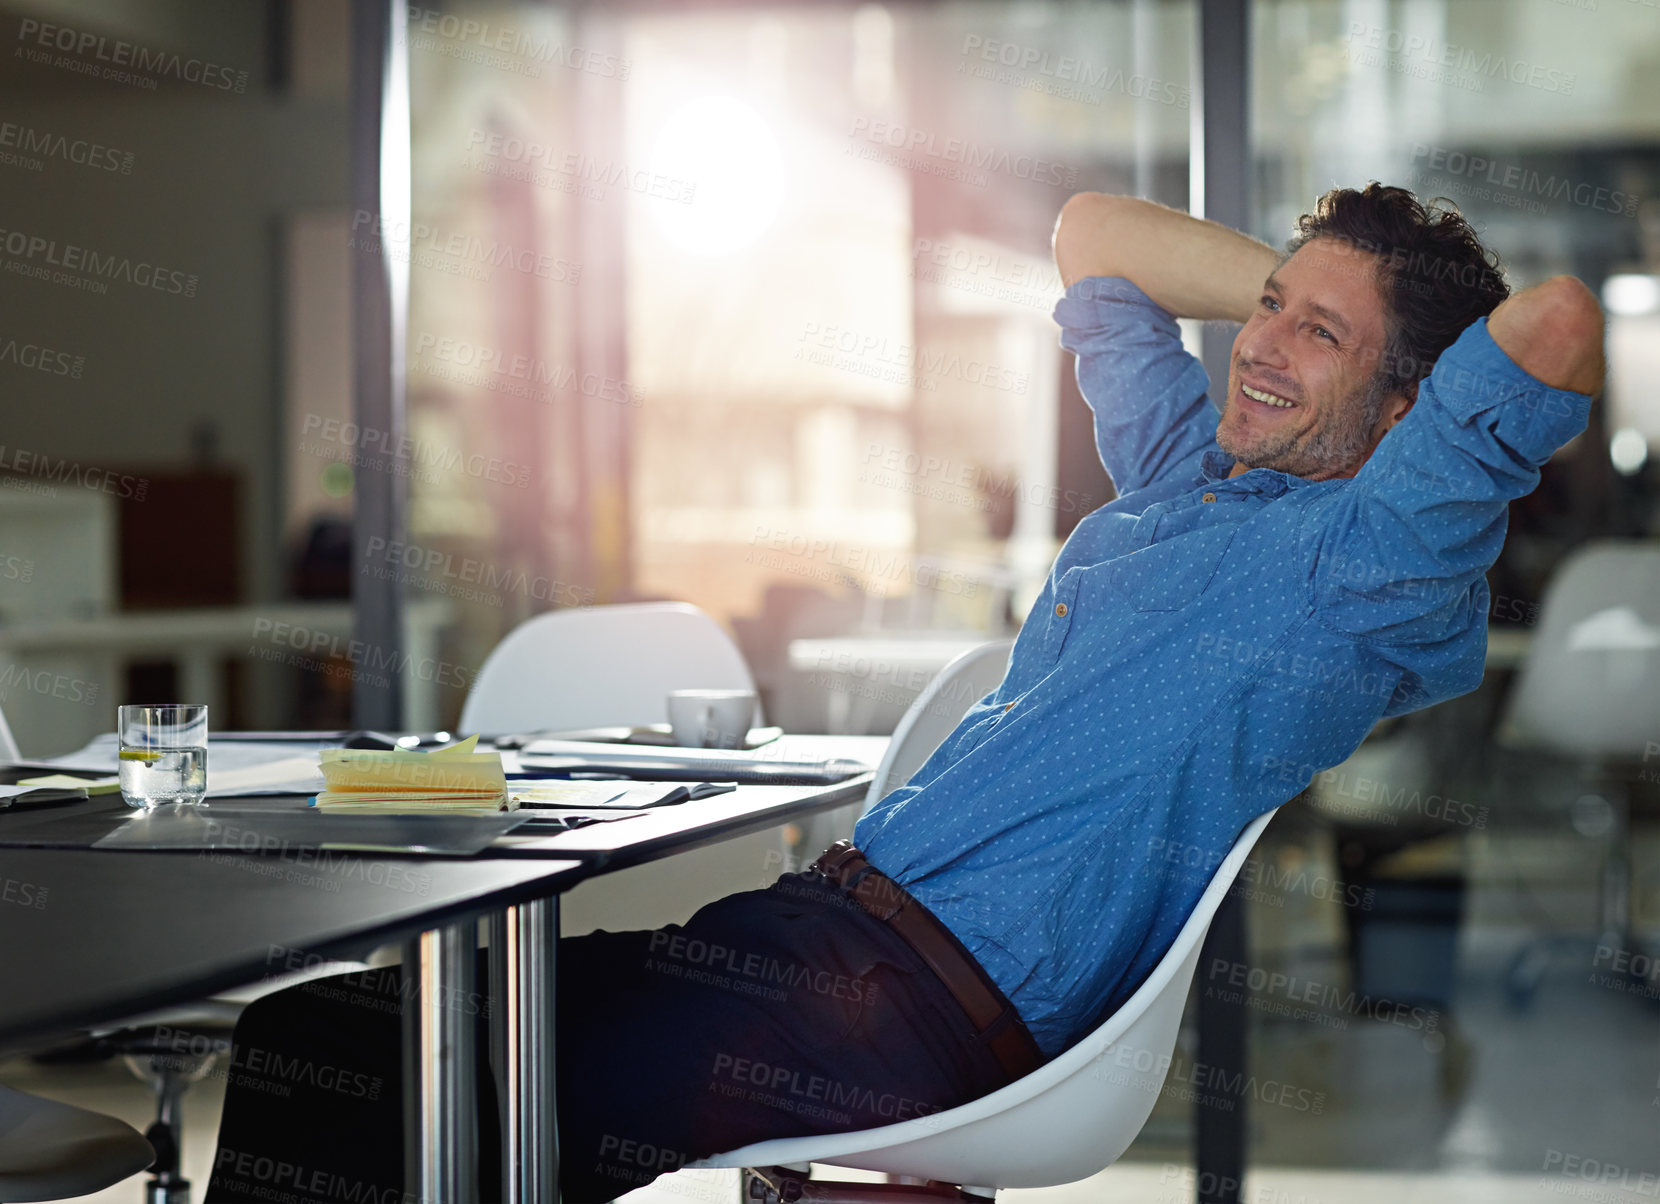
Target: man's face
1315,342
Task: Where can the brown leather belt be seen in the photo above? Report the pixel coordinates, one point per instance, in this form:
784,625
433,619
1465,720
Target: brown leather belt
992,1015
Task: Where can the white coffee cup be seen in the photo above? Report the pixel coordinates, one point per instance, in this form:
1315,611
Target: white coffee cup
711,718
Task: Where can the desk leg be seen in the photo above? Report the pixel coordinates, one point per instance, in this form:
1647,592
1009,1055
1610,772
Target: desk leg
440,1092
1223,1031
523,941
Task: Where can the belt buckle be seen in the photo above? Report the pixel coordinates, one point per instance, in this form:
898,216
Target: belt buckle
832,860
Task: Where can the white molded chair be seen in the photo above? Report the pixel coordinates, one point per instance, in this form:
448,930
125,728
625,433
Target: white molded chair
937,711
608,666
932,717
1067,1120
600,666
54,1151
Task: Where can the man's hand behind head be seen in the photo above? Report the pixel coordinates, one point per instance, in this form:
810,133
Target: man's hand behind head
1553,331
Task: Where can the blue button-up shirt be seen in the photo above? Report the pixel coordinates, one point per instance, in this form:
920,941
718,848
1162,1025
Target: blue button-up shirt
1204,645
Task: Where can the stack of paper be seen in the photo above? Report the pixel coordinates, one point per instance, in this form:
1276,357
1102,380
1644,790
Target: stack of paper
454,781
68,781
685,764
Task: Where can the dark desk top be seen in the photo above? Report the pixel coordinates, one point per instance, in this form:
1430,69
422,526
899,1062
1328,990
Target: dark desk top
669,829
681,826
93,935
626,841
89,936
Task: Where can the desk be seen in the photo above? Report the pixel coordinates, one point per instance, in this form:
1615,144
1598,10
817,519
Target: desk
149,930
129,932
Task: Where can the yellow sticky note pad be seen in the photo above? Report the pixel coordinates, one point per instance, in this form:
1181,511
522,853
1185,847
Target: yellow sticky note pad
453,778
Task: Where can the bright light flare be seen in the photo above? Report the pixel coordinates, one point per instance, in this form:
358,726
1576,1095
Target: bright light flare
1628,450
1630,295
722,150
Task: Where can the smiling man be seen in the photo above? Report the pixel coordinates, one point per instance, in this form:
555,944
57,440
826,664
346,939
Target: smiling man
1265,587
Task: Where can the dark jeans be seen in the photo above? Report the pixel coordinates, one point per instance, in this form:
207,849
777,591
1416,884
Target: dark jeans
773,1013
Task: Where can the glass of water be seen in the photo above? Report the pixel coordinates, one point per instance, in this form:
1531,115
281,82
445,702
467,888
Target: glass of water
163,754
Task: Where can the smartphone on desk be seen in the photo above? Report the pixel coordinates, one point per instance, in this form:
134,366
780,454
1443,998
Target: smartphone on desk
621,795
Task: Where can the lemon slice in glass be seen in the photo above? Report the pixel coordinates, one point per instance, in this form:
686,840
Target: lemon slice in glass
138,754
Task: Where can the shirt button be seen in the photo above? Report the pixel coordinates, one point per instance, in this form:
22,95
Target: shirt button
1209,497
1060,609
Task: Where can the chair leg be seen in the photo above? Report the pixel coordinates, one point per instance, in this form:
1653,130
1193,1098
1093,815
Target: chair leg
171,1072
1614,885
785,1185
1605,812
167,1184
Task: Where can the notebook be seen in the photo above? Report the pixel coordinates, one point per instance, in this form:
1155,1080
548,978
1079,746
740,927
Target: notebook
458,780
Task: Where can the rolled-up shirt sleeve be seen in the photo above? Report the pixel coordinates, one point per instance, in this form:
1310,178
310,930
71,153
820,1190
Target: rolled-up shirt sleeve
1149,395
1404,559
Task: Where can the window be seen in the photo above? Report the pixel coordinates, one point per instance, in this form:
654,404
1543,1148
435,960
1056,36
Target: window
751,307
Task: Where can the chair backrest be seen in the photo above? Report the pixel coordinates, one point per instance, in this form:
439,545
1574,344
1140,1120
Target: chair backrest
601,666
1067,1120
937,711
8,746
1591,683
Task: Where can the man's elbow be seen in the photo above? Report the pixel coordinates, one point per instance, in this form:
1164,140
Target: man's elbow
1571,308
1083,235
1554,332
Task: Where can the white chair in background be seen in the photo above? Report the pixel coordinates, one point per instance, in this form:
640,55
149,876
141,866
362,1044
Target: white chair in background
1590,687
1069,1119
606,666
1589,694
55,1151
600,666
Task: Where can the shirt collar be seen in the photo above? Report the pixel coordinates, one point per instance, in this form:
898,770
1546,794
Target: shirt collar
1215,466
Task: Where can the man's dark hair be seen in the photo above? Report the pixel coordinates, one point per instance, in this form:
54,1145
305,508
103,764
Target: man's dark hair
1435,276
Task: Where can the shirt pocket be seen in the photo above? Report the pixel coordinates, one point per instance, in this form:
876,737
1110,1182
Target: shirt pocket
1170,573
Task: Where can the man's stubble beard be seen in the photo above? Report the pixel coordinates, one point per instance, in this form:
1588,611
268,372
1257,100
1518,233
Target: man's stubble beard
1329,450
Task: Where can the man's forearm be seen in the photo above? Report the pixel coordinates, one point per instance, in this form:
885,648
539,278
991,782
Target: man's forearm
1193,268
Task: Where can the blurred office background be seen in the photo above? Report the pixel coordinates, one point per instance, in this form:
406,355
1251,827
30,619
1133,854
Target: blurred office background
747,305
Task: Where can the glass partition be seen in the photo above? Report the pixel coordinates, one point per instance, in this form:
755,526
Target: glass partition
749,307
1451,974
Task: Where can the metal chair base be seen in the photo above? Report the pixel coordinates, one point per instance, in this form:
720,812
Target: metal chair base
789,1185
